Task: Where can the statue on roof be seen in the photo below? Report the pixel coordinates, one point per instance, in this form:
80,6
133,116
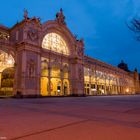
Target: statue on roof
60,18
25,14
81,41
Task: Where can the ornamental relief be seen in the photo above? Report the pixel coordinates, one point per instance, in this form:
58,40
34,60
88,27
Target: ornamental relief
32,34
31,66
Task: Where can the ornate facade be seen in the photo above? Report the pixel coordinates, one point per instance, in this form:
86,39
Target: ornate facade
48,60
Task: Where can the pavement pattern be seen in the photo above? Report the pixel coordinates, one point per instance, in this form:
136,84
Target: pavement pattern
71,118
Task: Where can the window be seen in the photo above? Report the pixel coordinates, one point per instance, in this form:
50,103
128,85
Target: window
56,43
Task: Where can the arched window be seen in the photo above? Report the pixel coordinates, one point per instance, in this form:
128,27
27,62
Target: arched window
56,43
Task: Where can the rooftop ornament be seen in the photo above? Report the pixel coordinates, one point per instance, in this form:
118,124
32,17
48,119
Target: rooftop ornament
25,14
27,19
60,18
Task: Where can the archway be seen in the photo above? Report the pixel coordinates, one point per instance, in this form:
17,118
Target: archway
56,84
7,72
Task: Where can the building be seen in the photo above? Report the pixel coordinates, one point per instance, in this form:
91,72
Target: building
48,60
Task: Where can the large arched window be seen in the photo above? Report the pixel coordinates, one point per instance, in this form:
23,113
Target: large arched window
56,43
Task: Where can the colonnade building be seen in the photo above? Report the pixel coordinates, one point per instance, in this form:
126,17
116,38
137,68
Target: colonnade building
48,60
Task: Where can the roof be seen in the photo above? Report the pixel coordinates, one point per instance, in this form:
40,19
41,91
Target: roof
3,27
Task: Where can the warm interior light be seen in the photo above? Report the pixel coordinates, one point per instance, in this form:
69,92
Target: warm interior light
9,61
127,90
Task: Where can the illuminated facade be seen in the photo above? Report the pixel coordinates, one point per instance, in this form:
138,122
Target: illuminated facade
48,60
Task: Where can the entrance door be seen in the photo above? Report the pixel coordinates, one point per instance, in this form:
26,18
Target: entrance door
59,88
55,87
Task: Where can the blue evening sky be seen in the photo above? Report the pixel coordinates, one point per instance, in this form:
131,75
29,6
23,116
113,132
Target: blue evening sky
100,22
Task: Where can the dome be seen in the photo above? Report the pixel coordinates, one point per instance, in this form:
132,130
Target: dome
123,66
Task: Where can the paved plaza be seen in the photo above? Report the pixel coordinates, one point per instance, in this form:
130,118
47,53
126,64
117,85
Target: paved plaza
71,118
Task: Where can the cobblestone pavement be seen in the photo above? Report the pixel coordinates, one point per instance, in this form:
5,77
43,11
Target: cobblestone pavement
71,118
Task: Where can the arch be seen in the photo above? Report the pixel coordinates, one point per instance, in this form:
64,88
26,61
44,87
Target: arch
63,31
56,87
7,72
7,78
55,71
6,60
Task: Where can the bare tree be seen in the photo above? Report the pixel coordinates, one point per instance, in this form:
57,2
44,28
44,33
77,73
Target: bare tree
134,26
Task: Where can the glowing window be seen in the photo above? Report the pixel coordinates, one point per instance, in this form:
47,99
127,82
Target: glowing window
56,43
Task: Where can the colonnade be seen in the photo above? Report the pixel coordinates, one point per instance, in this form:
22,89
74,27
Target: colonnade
54,80
100,82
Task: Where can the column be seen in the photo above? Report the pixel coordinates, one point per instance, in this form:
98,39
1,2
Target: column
23,69
109,87
62,86
38,89
105,87
96,82
90,85
0,79
61,78
49,81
